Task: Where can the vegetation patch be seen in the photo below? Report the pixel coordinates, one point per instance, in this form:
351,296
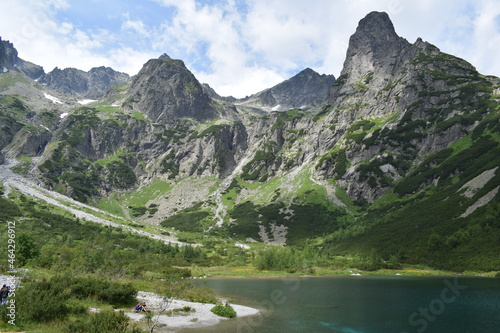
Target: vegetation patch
263,158
190,219
302,221
226,311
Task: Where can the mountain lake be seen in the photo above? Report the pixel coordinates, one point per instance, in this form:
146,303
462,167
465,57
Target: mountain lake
361,304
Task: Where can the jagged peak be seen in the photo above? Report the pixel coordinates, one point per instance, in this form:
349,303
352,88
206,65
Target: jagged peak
164,56
372,46
376,25
375,33
308,70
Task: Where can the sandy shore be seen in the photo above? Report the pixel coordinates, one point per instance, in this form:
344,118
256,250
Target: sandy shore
201,317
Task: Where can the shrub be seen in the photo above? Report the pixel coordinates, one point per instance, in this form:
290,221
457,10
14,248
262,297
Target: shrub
106,321
370,262
41,302
187,290
8,209
279,258
120,174
226,311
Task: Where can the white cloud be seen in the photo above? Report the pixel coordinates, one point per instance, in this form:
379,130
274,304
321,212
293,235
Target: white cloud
135,25
487,38
239,52
128,60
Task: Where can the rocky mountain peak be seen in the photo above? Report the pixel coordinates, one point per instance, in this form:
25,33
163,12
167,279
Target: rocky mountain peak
376,26
304,89
373,45
165,90
8,54
164,56
9,60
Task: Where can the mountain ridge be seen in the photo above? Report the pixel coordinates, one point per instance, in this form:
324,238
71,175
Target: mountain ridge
92,84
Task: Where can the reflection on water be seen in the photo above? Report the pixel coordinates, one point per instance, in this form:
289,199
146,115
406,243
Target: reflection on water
362,305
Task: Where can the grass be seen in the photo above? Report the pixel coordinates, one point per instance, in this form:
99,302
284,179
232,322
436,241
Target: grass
289,187
250,271
117,157
138,116
142,195
111,205
11,77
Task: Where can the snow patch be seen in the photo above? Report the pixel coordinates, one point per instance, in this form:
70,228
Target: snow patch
4,70
63,115
52,98
86,101
276,108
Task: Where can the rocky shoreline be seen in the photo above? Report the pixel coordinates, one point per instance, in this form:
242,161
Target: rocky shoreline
199,316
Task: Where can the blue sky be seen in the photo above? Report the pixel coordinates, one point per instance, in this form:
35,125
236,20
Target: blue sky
239,47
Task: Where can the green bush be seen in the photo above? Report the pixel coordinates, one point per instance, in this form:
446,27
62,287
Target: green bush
120,174
106,321
226,311
370,262
278,258
186,290
8,209
41,302
188,219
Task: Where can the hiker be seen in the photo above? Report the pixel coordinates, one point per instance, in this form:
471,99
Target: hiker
138,307
141,307
4,294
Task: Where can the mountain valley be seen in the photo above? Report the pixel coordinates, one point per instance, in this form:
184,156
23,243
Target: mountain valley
395,161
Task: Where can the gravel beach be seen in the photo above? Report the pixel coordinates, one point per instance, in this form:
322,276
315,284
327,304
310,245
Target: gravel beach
200,317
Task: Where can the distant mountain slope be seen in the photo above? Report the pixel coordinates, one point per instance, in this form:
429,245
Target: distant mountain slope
92,84
305,89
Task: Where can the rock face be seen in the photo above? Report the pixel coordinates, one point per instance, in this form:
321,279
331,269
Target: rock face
305,89
165,90
375,47
92,84
9,60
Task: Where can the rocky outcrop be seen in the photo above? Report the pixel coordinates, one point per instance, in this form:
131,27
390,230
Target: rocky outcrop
92,84
165,90
303,90
9,60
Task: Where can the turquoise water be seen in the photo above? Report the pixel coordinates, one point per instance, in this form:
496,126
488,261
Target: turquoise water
359,304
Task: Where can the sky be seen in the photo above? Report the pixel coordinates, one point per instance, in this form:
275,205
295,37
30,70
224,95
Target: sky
238,47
